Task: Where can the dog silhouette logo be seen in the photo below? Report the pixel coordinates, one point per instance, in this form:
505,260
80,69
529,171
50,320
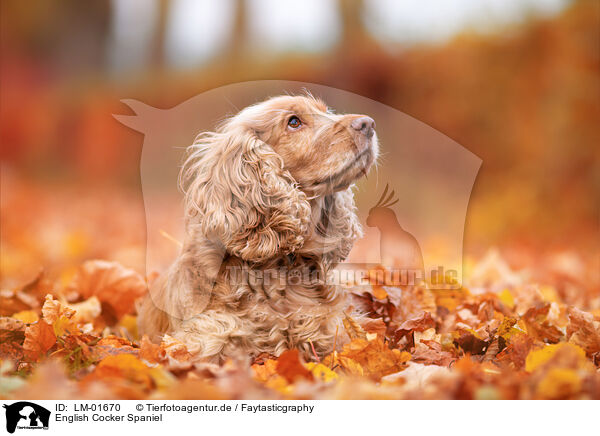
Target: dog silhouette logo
431,174
26,415
398,248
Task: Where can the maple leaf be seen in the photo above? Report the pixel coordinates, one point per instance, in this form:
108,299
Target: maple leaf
113,284
372,358
350,366
39,338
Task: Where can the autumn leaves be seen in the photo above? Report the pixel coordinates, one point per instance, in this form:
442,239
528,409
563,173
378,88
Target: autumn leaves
78,339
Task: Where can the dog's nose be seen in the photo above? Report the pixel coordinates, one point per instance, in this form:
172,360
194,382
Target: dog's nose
365,125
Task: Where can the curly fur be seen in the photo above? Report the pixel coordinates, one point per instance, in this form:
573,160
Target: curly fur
263,201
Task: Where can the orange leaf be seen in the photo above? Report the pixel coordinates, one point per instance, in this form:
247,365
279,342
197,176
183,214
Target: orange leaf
128,375
59,316
583,330
150,351
39,338
374,357
113,284
290,367
175,349
265,371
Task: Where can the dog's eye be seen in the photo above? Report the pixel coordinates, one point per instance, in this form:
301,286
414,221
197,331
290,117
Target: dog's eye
294,122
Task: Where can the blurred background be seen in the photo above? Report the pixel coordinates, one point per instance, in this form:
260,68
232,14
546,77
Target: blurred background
515,82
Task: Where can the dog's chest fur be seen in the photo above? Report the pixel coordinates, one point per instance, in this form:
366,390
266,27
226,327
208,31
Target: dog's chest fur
284,305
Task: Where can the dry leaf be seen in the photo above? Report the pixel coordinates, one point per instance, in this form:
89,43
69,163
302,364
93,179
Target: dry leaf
59,316
128,376
584,330
175,349
26,316
150,351
116,286
290,367
353,329
39,338
374,357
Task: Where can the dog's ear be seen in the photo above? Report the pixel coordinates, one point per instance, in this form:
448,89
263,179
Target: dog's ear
238,193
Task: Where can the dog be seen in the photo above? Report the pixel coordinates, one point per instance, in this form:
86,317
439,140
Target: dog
269,213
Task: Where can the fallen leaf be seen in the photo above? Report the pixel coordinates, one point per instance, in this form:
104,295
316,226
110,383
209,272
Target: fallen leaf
583,330
59,316
39,338
559,383
175,349
516,351
540,357
290,367
470,342
86,311
26,316
376,326
105,349
111,283
539,327
321,372
10,323
128,376
431,353
264,371
374,357
419,323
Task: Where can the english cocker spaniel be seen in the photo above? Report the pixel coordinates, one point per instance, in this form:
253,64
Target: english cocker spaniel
269,212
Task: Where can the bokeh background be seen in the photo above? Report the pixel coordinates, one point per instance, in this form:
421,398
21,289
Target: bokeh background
515,82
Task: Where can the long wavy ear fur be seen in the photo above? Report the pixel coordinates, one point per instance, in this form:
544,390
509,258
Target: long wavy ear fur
238,193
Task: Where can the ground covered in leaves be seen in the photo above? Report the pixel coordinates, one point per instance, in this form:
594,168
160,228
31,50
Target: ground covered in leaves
503,337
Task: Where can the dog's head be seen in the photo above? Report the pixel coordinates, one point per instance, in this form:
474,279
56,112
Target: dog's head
323,151
248,184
